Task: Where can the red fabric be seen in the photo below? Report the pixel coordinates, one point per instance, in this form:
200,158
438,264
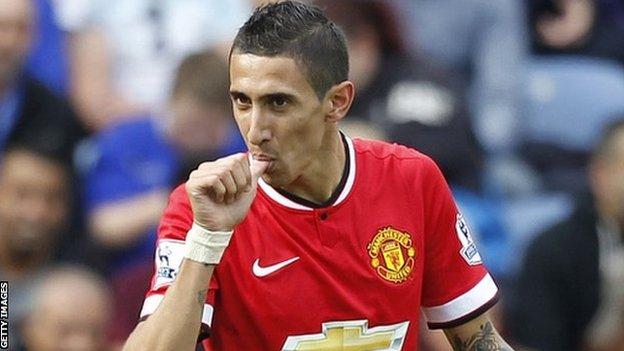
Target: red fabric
335,278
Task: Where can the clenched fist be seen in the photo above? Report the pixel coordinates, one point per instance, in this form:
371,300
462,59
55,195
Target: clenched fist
222,191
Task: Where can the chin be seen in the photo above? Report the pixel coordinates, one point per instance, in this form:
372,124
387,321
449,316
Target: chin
276,179
271,180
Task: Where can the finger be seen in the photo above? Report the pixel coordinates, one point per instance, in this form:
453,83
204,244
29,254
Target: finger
222,161
247,172
205,185
238,173
205,165
229,160
217,190
257,169
230,186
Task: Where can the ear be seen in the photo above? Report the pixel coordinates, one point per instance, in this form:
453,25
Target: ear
338,100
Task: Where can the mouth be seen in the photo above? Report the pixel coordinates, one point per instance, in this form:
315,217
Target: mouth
265,158
262,157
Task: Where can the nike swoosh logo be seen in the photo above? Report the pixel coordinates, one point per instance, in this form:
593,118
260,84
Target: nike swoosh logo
264,271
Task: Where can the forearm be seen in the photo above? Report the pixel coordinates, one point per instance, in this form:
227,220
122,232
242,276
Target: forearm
122,223
176,323
476,335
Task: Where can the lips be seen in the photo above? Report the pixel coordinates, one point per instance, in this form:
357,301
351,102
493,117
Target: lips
265,158
262,157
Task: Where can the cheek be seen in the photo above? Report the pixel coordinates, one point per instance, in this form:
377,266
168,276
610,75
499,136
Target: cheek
10,203
243,125
311,133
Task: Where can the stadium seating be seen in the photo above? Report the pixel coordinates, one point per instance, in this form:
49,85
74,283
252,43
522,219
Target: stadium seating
570,98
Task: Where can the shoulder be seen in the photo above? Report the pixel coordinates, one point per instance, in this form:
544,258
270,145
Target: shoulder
179,202
138,133
391,156
565,243
133,149
178,216
382,150
179,195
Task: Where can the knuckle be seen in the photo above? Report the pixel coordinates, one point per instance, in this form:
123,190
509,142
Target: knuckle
205,165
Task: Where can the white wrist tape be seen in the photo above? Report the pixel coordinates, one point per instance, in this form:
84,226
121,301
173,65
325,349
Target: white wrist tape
206,246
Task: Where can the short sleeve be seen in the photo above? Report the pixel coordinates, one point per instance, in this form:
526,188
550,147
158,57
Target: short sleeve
175,223
126,161
456,285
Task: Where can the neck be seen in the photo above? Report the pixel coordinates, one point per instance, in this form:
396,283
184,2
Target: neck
322,176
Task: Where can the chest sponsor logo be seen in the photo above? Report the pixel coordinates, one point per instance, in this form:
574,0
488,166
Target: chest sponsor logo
350,335
392,254
259,271
469,250
169,256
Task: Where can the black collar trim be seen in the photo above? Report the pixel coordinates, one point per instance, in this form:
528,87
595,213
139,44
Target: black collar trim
335,194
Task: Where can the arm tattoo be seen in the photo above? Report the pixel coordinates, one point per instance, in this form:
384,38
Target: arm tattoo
484,340
201,296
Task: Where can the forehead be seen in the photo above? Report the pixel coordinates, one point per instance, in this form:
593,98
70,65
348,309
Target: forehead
23,167
259,75
16,9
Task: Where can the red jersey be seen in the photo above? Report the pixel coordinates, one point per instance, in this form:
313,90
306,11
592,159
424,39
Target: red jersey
354,274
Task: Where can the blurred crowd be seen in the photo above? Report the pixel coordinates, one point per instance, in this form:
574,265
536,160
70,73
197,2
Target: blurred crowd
105,106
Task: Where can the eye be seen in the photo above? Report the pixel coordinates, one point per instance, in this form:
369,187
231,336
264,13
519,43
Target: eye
279,102
242,100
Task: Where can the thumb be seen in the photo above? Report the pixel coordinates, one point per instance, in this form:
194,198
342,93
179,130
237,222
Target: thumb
257,169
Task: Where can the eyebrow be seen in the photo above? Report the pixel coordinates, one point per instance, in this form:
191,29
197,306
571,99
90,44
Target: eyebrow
270,96
235,94
273,96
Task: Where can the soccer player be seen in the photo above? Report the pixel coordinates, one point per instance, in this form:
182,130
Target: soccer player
312,240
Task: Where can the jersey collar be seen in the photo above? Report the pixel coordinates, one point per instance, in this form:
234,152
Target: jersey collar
294,203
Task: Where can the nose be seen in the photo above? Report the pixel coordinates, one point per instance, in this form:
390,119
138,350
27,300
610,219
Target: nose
259,128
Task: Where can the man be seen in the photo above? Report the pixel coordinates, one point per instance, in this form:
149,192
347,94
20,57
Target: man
70,311
338,242
29,111
570,293
34,206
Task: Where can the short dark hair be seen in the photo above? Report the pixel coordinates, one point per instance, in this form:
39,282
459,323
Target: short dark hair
203,76
302,32
42,149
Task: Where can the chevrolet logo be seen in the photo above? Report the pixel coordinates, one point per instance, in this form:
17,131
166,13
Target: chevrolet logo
350,336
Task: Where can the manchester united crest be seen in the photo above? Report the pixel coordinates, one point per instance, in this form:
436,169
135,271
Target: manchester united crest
392,254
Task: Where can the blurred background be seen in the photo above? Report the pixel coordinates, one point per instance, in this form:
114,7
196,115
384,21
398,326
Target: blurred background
106,106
